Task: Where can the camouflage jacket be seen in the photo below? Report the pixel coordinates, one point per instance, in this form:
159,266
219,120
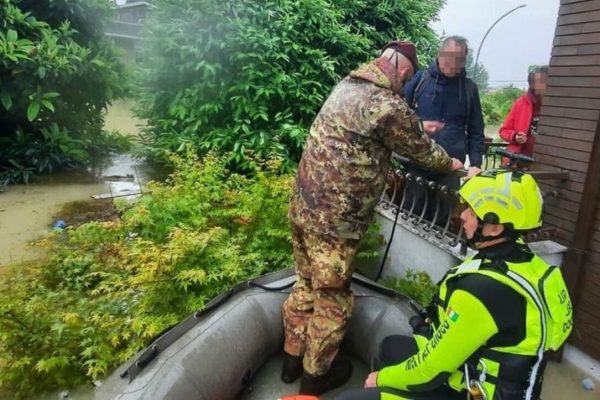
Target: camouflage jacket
342,172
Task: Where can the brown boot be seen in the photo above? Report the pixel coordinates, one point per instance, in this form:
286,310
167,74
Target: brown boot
292,368
338,374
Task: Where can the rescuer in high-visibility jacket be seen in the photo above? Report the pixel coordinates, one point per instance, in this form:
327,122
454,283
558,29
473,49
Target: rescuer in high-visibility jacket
495,315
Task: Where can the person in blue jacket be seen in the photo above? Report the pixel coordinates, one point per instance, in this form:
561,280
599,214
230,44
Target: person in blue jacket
448,104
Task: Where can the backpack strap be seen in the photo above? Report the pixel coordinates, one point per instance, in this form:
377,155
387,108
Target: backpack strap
469,89
425,78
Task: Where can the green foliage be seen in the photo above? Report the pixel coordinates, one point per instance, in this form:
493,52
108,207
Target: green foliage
108,288
57,75
497,105
370,245
415,284
380,21
247,75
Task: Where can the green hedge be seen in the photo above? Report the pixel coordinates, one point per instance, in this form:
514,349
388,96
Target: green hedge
497,105
251,75
57,75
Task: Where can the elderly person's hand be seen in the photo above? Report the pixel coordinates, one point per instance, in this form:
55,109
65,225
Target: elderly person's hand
472,172
431,127
371,381
520,137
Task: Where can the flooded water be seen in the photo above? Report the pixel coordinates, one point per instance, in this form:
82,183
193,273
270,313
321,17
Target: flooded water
27,211
120,118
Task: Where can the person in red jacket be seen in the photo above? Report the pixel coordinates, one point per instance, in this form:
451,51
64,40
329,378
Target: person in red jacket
520,127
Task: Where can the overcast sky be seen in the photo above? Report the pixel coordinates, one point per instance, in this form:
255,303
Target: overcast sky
521,39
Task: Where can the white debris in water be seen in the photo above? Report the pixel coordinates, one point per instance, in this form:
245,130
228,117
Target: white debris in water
588,384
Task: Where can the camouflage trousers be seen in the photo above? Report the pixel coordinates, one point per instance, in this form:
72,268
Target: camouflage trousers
317,311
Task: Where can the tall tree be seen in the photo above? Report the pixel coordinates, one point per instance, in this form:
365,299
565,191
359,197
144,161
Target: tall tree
251,75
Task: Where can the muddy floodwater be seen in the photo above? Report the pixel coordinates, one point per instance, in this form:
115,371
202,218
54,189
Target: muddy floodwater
27,212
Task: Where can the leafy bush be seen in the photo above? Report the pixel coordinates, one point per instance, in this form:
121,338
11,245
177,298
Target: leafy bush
415,284
58,74
251,75
497,105
107,288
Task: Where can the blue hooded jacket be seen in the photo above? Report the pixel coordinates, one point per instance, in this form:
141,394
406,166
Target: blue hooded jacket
445,99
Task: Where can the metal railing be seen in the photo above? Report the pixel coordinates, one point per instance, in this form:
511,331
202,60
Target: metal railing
402,201
437,217
491,159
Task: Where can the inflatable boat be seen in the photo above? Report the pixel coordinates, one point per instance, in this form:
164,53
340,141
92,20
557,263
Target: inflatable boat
232,348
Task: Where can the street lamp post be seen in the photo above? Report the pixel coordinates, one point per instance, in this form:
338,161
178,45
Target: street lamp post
489,30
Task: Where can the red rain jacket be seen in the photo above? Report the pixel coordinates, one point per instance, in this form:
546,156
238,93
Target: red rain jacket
519,120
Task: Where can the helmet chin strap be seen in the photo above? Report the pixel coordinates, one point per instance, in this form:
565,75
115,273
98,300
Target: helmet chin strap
479,237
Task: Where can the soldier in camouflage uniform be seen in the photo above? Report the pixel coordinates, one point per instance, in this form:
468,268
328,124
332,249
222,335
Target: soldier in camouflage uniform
340,179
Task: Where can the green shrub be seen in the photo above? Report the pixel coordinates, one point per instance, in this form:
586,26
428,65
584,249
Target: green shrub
251,75
497,105
107,288
57,75
415,284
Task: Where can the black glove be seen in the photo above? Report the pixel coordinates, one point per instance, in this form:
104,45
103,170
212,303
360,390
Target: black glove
420,325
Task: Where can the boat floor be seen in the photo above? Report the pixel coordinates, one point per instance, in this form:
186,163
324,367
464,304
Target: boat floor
267,384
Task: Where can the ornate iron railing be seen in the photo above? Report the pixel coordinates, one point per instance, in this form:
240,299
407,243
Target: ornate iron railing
400,197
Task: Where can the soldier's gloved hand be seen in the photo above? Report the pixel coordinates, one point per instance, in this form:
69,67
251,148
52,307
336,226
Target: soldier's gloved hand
456,164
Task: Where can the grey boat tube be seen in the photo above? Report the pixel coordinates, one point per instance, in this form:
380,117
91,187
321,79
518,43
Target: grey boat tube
214,353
